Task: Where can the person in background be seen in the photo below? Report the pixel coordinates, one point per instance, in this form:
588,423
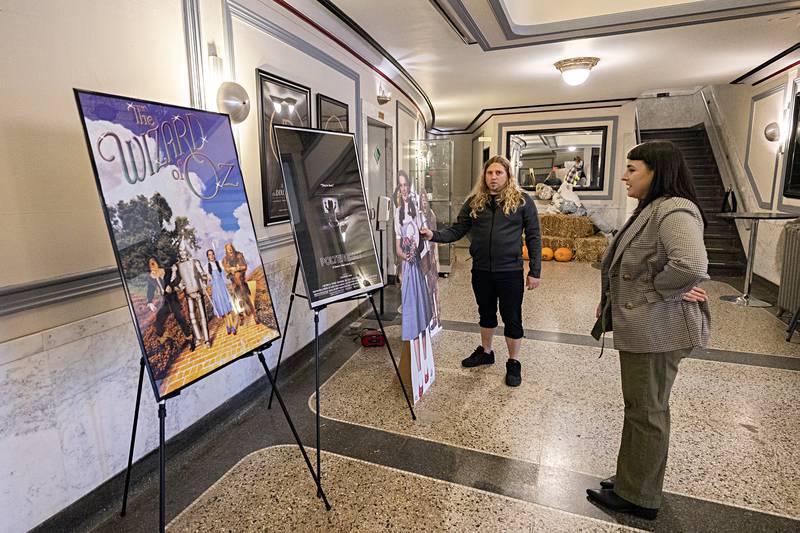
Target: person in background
658,315
575,173
496,214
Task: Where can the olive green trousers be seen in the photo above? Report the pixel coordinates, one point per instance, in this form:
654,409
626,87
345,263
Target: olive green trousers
647,380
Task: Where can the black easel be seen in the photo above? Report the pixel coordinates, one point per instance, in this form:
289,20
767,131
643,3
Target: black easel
316,311
162,448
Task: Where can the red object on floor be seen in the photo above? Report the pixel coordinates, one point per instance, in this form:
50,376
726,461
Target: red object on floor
372,337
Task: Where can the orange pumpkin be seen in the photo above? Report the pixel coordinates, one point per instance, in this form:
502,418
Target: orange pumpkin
563,254
547,254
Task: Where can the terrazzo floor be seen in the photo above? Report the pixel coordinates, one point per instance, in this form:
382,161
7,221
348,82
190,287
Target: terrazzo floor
567,297
481,456
265,491
734,427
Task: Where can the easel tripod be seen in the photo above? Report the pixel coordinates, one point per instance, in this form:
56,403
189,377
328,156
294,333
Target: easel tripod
316,310
162,415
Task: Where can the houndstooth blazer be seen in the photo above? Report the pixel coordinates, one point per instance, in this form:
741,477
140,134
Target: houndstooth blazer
660,256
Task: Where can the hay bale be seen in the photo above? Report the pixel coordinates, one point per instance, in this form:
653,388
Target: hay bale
561,225
554,243
590,249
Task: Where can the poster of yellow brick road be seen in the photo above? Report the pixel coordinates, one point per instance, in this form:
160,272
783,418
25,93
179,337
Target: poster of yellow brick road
181,228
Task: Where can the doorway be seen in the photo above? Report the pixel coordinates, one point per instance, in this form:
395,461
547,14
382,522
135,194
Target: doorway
380,182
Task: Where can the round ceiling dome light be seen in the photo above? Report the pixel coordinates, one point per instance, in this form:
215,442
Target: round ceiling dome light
575,70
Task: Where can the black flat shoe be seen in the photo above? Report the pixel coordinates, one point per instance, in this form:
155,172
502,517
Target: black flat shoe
608,483
608,498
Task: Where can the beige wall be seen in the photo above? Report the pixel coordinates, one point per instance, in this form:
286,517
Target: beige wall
736,104
51,213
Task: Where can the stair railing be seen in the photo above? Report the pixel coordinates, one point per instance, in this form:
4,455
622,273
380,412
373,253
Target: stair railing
724,150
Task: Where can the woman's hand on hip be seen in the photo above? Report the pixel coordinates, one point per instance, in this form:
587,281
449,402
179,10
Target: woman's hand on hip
532,283
426,233
697,294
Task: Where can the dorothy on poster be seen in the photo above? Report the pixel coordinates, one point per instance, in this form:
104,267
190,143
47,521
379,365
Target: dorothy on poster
175,203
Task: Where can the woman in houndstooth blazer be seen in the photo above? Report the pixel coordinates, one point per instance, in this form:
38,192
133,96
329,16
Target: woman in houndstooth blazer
658,315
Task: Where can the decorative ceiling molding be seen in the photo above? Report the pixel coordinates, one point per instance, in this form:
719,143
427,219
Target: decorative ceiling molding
488,20
772,67
490,112
350,23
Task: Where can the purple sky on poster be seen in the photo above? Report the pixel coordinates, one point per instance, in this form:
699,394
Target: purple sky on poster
187,156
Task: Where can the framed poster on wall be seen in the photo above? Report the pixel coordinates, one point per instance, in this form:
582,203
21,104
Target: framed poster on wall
332,115
182,233
280,102
328,209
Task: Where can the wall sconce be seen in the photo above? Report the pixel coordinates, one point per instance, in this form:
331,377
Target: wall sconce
233,100
772,132
576,70
383,95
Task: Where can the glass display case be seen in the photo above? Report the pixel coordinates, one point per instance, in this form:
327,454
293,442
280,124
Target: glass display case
432,176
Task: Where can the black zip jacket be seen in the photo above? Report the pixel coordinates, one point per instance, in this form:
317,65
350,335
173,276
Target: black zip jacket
496,238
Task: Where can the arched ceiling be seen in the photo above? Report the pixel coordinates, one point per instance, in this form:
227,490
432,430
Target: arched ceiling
670,45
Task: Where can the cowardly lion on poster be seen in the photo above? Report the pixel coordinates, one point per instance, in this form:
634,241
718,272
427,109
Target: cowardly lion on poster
417,306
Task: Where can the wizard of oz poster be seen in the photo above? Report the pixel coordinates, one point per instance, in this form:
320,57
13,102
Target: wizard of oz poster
176,208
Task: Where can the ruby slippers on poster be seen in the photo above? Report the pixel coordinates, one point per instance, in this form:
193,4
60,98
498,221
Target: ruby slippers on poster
427,376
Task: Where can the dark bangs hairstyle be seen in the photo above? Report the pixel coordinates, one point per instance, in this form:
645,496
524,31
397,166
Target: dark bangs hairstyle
671,174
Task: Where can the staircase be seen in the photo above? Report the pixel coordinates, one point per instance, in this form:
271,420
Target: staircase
725,253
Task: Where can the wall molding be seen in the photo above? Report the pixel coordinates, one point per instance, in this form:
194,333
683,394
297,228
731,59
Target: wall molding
194,53
505,34
259,22
533,108
612,139
58,289
753,75
763,204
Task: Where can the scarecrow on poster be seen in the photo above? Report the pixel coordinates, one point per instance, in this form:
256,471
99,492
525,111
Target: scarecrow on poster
174,200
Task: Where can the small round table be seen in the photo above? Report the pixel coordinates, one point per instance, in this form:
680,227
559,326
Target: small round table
745,299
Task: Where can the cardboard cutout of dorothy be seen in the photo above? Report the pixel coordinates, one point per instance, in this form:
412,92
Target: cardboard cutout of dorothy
180,225
417,271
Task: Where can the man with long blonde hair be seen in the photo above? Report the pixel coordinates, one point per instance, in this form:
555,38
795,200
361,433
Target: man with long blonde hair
496,214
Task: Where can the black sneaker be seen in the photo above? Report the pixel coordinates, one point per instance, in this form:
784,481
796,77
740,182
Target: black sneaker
513,373
479,357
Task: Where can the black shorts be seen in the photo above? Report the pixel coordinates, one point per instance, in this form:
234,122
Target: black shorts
505,287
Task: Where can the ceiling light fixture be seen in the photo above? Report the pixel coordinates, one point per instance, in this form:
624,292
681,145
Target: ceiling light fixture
571,148
576,70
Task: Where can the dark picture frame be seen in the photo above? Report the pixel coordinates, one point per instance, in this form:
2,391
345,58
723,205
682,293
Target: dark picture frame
328,205
332,115
162,189
282,102
597,162
791,185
